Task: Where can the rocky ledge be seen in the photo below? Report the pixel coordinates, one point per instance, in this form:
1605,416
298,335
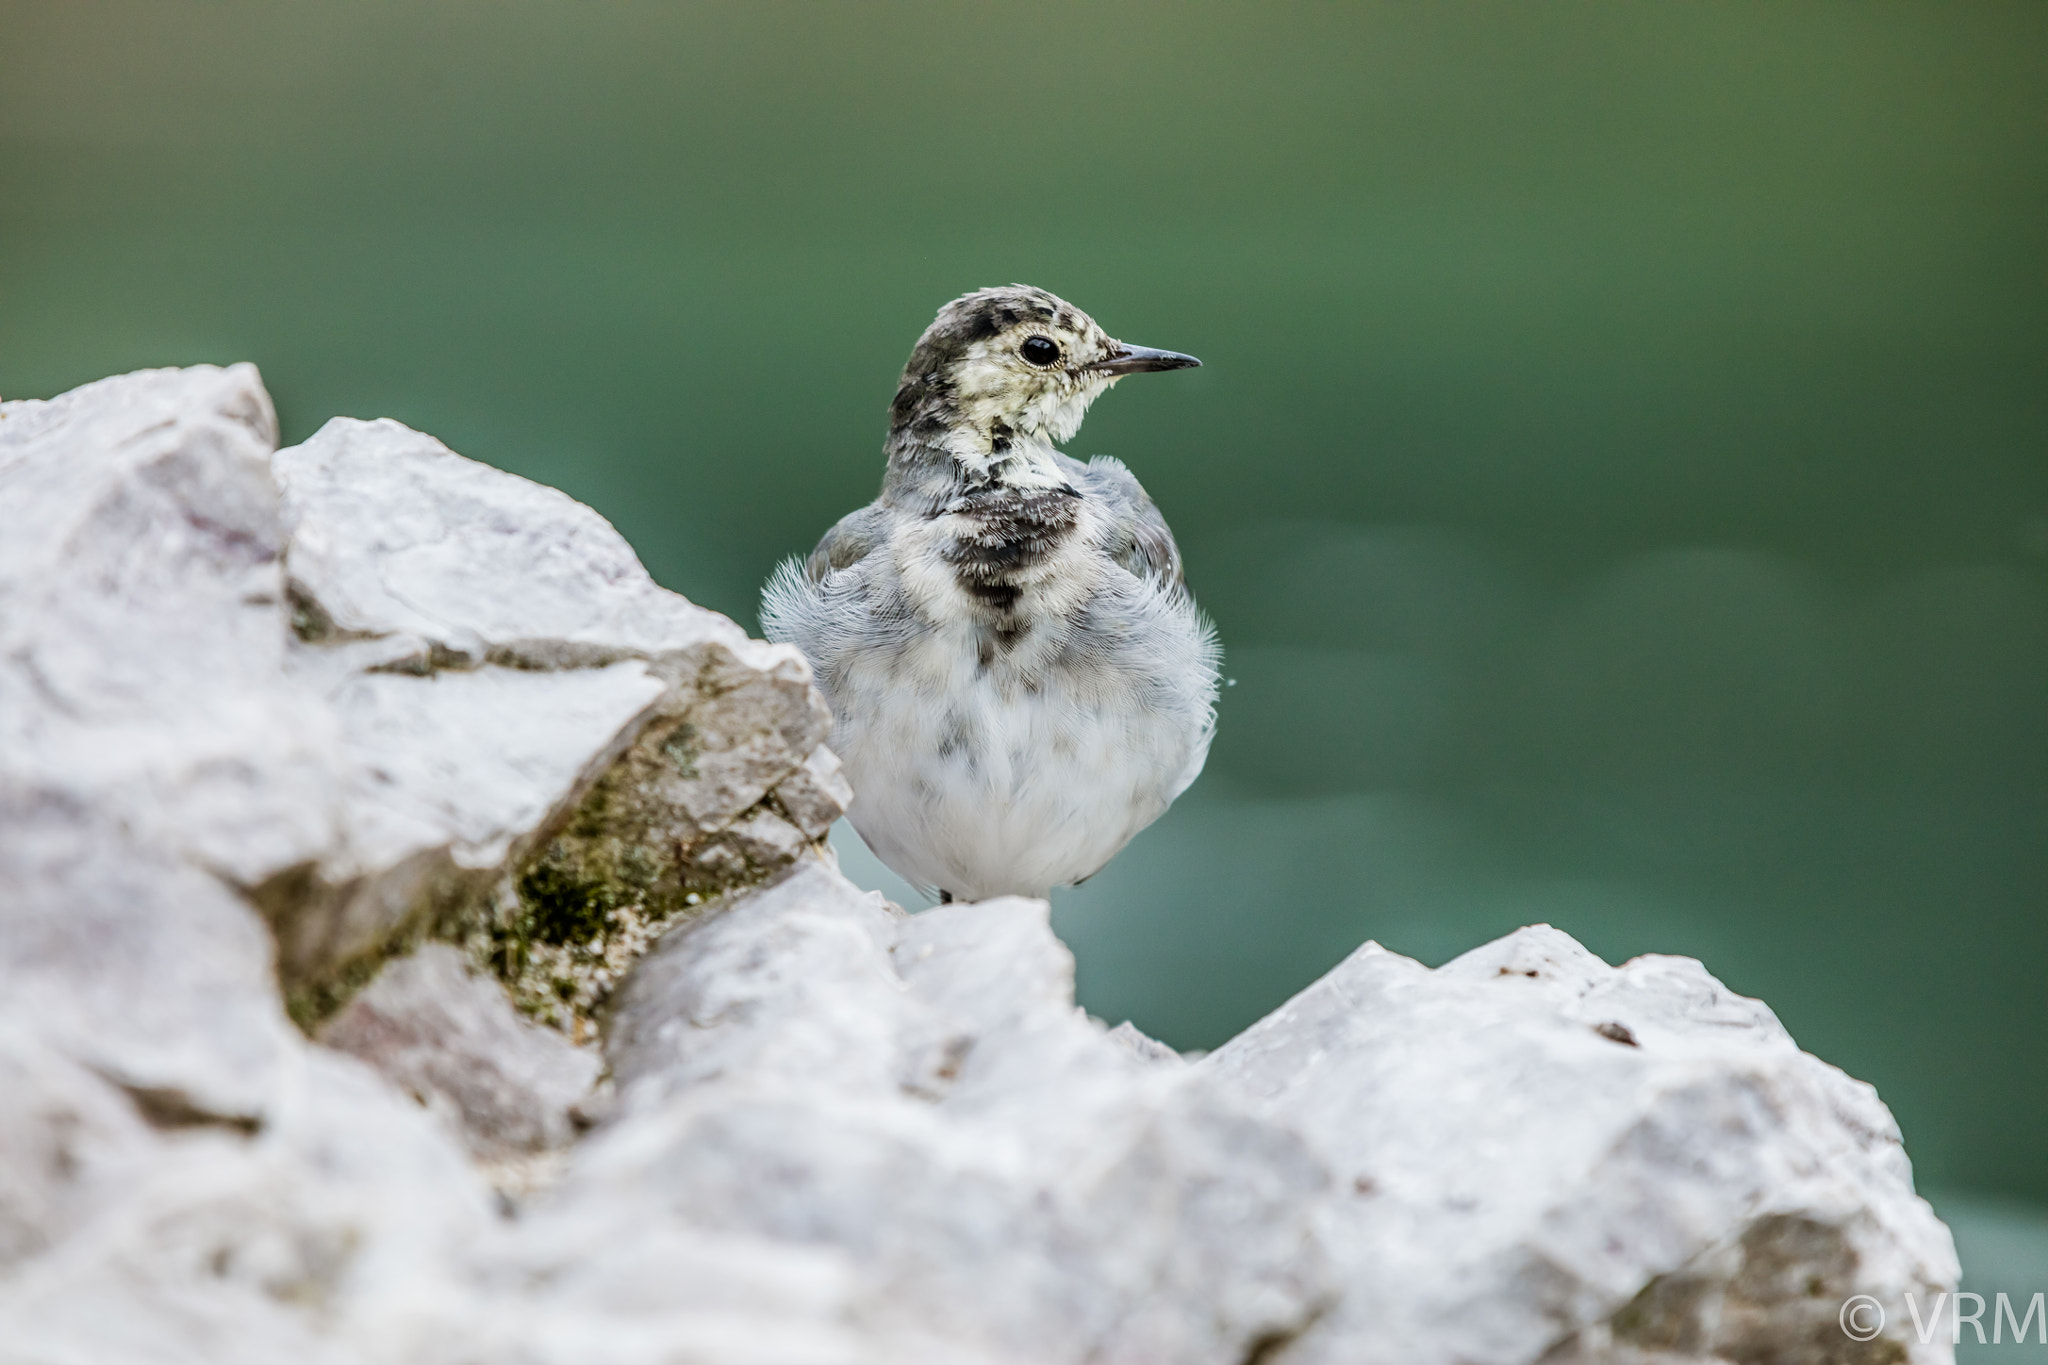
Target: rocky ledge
417,945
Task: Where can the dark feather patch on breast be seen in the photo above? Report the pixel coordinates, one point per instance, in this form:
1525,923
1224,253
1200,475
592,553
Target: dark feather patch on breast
1008,530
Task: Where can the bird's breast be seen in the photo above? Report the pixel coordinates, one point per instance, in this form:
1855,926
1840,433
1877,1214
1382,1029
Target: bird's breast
1010,563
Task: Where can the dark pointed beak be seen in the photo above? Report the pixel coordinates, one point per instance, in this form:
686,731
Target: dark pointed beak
1137,359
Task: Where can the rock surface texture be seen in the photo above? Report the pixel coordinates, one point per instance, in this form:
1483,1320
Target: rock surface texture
599,1059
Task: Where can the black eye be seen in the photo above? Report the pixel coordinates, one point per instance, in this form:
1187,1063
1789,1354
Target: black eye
1039,351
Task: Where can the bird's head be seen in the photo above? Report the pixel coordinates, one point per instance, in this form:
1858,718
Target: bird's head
998,365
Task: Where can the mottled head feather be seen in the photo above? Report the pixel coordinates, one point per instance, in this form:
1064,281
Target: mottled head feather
969,390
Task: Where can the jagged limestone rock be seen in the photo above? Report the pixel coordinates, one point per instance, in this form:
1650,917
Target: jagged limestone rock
147,971
453,1041
1524,1155
418,697
365,681
815,1066
1552,1154
816,794
140,599
1526,1151
607,734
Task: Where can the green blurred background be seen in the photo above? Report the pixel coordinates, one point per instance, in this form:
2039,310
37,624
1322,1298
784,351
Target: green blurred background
1619,474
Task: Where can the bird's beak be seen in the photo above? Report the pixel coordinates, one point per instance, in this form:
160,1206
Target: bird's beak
1137,359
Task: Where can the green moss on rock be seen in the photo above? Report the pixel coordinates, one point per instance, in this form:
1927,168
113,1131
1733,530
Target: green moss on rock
628,864
562,927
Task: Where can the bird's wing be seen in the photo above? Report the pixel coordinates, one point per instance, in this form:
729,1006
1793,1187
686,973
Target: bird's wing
846,543
1143,545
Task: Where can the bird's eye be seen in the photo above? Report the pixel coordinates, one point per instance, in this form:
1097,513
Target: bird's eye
1039,351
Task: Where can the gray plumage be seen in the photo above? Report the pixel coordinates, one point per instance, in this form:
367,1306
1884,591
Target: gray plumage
1019,680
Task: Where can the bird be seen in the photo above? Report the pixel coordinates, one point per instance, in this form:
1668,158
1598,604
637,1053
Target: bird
1019,678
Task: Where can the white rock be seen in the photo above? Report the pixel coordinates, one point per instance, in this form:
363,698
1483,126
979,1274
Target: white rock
815,1067
1524,1155
491,647
453,1041
1534,1139
324,1236
141,598
182,1176
479,652
817,793
68,1144
145,970
394,536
